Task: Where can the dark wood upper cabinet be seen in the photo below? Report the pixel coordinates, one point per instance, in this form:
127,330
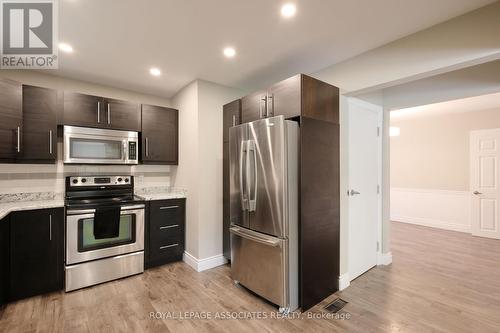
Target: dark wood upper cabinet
231,116
122,115
320,100
36,252
299,95
39,134
94,111
283,98
11,120
253,106
83,110
160,135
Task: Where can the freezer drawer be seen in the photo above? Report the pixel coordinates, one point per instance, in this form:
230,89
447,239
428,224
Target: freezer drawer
260,263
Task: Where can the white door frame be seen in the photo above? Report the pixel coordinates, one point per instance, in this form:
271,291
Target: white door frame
380,112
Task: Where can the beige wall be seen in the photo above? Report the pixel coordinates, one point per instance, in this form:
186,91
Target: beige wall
433,152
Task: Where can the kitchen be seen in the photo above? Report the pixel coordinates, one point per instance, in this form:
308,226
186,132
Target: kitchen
184,169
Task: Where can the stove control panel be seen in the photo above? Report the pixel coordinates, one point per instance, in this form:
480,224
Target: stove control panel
99,180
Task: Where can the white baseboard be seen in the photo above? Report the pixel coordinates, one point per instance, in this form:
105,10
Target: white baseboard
344,281
200,265
449,210
384,259
432,223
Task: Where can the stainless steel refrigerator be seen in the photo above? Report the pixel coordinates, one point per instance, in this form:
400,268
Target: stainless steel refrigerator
263,167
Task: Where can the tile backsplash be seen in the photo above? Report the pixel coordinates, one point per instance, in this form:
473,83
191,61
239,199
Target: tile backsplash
31,178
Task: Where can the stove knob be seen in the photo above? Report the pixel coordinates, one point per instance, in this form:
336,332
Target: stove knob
75,181
119,179
126,180
84,180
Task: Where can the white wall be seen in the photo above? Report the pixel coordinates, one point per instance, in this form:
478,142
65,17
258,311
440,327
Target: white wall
200,167
186,175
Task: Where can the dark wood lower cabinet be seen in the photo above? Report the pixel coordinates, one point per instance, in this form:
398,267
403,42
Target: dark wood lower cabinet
165,232
36,252
4,260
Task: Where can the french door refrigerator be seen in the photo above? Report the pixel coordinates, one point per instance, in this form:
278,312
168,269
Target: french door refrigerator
263,167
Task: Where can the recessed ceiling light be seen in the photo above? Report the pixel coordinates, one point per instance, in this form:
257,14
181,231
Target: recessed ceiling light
155,71
288,10
65,47
229,52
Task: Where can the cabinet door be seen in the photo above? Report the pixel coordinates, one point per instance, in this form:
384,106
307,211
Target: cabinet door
4,260
36,252
159,135
11,120
39,124
283,98
231,116
122,115
253,107
83,110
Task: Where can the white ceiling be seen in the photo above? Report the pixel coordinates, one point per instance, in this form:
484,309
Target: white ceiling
471,104
116,42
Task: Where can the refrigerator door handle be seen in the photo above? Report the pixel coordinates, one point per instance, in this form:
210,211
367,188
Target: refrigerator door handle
252,201
243,176
253,236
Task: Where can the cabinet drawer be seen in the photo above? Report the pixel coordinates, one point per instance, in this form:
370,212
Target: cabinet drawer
166,235
167,212
167,252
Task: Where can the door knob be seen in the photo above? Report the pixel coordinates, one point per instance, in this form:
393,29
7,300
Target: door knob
354,192
477,193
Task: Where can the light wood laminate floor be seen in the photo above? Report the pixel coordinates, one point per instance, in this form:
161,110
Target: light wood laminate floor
440,281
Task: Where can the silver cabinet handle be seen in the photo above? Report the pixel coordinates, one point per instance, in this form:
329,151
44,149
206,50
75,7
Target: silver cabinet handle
50,227
50,142
169,226
109,114
354,192
477,193
169,207
147,147
270,106
167,246
262,110
98,112
234,120
18,148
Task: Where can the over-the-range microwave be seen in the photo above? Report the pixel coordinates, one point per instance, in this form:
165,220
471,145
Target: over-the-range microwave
84,145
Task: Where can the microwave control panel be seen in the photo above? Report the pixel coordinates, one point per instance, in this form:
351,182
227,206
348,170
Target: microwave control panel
132,150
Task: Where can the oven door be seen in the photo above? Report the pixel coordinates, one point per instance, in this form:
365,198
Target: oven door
99,146
82,246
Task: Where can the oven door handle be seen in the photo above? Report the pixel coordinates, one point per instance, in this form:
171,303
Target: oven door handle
90,211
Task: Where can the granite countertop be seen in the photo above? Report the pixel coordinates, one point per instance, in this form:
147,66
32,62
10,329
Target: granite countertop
161,193
12,206
41,200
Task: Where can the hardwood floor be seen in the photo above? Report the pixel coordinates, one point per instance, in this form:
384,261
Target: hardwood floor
440,281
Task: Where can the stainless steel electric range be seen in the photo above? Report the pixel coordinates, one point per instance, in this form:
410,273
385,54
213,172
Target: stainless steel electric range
104,230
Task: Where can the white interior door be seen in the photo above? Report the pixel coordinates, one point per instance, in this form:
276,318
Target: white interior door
484,166
364,179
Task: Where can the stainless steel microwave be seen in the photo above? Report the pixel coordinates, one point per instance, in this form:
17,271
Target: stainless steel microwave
83,145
